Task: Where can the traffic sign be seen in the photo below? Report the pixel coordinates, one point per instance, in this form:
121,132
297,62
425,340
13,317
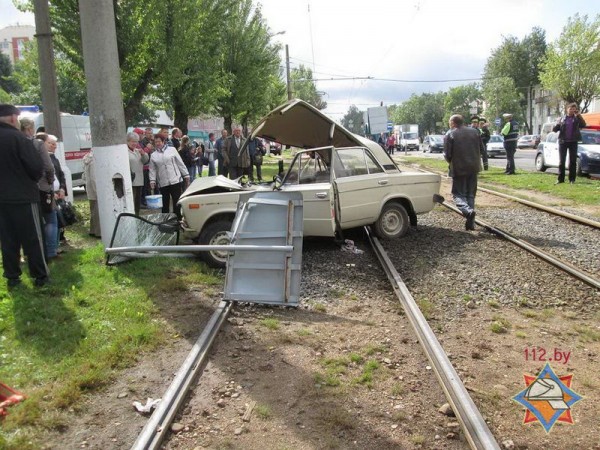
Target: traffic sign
498,121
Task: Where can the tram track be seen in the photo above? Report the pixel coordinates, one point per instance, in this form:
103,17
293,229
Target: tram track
474,426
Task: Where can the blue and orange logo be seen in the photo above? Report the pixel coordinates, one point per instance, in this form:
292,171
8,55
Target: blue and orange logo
548,398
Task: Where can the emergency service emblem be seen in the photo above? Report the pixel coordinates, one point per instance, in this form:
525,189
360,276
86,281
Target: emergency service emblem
547,398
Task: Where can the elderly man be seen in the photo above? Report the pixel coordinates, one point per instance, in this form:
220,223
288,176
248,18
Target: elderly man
234,158
464,150
20,219
510,131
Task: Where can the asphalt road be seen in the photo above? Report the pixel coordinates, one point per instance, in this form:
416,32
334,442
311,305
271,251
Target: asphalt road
524,159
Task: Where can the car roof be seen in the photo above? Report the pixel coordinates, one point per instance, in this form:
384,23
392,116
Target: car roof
299,124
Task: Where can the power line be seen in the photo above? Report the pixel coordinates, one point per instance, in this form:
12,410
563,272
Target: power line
395,80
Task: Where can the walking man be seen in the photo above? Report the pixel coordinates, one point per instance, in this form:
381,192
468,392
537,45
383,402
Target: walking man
20,218
463,150
569,127
510,131
222,170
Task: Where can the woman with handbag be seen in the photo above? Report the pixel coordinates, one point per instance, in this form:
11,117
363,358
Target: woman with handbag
168,171
137,159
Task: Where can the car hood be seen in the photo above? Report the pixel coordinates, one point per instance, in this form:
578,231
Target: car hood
215,185
299,124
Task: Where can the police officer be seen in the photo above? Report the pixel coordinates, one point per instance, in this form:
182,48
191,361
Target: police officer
510,131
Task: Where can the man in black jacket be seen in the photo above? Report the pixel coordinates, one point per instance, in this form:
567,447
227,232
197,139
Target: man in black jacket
569,127
463,149
20,219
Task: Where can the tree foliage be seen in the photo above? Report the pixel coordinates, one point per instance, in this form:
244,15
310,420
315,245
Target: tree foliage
303,87
7,83
353,120
72,96
500,98
426,110
458,100
520,62
572,62
250,64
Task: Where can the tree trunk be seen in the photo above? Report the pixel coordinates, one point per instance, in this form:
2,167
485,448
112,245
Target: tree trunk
133,105
180,115
227,121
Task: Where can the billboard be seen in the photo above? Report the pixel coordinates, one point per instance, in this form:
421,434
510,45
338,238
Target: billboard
378,119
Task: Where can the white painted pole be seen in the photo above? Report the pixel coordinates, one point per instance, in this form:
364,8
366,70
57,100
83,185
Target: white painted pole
107,118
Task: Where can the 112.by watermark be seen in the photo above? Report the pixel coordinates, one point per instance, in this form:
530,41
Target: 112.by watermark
551,355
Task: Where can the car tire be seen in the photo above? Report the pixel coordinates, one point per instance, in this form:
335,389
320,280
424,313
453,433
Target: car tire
539,163
215,233
392,222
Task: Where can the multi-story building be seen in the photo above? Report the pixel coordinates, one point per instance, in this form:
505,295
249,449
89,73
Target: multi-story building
13,39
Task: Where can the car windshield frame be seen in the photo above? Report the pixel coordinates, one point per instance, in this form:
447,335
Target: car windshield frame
436,138
496,139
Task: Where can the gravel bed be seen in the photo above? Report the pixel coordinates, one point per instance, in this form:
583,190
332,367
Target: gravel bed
568,240
449,266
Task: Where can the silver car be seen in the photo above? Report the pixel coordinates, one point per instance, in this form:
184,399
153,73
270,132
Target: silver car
346,181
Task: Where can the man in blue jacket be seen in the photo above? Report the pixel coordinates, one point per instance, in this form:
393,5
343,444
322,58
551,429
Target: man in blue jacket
570,134
20,218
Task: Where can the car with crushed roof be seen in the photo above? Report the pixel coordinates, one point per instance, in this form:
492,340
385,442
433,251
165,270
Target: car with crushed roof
346,181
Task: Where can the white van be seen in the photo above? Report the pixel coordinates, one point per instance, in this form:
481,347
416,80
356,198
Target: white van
77,140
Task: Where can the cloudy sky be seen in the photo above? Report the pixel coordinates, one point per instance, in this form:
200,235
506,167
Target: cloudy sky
414,44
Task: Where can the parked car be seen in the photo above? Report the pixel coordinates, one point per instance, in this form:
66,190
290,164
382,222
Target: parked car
433,143
346,181
527,141
588,153
495,147
274,147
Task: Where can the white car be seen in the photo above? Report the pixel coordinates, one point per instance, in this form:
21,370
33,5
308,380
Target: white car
346,181
495,147
588,153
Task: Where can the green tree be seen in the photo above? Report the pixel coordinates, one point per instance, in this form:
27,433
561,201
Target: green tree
353,120
572,62
500,98
140,30
250,64
458,100
426,110
72,96
7,83
191,80
303,87
520,61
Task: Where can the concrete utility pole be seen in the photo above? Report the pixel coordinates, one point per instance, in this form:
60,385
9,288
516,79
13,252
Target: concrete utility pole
287,71
50,104
107,118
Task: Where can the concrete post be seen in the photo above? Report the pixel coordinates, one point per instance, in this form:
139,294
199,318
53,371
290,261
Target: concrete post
107,118
48,85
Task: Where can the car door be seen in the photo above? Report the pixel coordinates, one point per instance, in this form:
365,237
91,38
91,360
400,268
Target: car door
551,157
360,184
310,175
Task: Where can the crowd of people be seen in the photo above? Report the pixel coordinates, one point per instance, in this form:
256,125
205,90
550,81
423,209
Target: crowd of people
167,164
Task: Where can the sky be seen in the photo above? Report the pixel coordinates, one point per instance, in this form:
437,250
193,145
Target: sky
415,44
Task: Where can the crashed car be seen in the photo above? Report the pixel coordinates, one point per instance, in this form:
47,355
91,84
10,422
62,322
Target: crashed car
346,181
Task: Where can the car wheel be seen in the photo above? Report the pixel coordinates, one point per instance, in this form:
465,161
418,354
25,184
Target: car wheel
392,222
539,163
217,233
